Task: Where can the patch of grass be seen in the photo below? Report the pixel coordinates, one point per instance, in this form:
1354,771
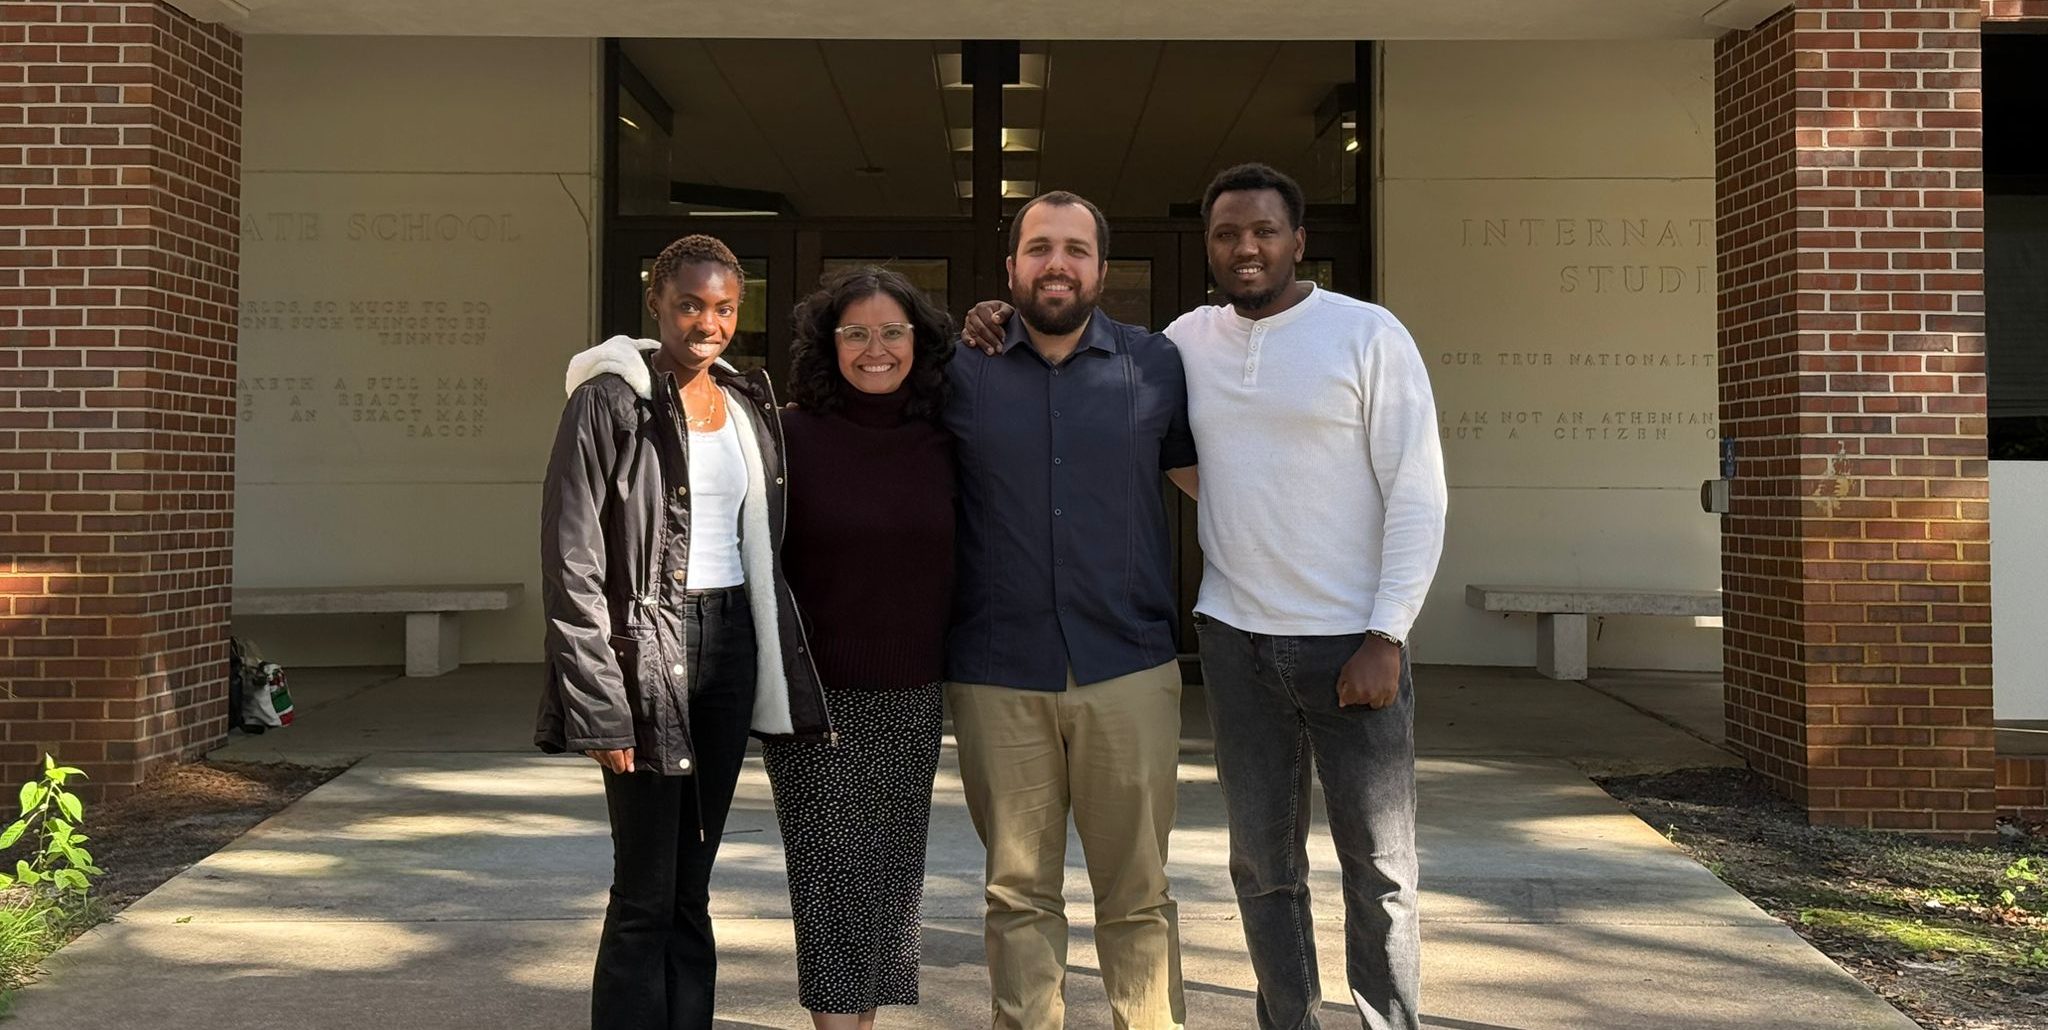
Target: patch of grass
1948,898
24,940
30,929
1915,935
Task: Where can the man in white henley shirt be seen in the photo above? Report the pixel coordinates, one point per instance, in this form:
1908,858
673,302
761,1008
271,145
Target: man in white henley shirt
1321,522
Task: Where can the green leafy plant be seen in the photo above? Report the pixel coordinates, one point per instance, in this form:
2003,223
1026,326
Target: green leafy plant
60,865
47,897
2017,879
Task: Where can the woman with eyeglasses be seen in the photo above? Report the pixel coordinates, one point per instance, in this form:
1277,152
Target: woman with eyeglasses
869,556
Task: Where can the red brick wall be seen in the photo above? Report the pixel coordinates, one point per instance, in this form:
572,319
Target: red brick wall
2023,787
120,137
1754,190
1856,560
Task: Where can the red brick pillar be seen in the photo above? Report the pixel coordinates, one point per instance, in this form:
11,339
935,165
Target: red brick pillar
1855,563
120,156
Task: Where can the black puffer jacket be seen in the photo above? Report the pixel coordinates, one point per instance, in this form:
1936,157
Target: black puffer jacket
615,535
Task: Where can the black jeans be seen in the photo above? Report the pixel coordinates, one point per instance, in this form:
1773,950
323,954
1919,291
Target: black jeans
1273,705
657,964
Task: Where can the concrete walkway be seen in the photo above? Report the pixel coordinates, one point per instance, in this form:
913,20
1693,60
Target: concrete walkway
452,879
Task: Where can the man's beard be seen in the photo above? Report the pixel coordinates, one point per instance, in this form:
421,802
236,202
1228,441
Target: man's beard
1048,319
1255,301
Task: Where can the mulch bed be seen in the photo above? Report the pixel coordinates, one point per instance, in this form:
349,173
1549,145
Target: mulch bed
1955,936
182,815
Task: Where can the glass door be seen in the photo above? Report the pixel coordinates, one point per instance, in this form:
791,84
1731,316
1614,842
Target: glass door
938,261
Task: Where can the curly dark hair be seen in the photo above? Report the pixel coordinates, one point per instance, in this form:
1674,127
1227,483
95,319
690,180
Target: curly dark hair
692,250
814,379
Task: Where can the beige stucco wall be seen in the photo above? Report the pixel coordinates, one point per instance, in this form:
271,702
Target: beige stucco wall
2019,589
1547,235
417,264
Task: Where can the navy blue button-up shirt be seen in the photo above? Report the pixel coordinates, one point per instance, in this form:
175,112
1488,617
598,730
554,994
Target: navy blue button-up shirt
1063,558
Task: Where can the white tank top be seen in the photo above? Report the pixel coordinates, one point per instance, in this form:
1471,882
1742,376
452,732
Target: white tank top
718,486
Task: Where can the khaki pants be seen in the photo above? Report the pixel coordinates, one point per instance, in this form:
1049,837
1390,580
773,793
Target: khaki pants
1110,752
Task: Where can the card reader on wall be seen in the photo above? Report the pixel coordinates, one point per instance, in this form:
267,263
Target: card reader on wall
1714,492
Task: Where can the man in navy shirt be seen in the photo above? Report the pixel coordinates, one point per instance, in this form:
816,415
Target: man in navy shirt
1065,690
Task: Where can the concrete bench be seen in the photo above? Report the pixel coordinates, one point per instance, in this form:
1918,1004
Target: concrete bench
1561,615
432,638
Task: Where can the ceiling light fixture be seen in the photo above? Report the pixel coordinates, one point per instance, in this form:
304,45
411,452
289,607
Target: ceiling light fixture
1015,141
1032,69
1013,189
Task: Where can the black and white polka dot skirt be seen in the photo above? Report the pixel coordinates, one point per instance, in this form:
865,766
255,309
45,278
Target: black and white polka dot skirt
854,819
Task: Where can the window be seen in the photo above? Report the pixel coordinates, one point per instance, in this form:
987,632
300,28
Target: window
928,274
2016,245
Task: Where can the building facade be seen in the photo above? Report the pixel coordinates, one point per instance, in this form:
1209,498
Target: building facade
289,287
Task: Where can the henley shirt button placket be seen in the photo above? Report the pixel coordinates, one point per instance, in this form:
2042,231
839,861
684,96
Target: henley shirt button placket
1251,360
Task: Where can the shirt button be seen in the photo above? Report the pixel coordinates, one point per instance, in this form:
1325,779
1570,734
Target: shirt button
680,575
683,764
1056,511
1055,412
676,669
1056,461
1059,562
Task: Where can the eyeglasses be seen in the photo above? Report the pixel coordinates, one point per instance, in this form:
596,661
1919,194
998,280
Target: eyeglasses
892,333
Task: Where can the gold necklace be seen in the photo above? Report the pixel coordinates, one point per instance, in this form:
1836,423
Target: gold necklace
717,407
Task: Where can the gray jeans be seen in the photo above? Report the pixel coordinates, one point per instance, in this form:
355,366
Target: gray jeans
1273,703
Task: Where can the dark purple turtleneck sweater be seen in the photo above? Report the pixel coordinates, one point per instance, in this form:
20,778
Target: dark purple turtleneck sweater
869,550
